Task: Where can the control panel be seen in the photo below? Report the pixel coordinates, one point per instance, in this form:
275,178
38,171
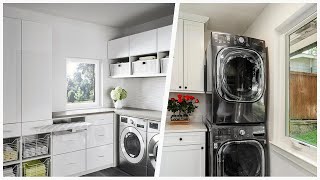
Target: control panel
135,122
221,133
224,39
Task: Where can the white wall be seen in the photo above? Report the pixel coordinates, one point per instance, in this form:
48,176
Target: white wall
265,27
71,38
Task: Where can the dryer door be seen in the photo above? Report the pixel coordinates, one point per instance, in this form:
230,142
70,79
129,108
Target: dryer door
241,158
240,75
153,149
132,145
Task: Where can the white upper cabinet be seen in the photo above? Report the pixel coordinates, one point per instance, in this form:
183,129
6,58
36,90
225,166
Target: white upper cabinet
193,56
118,48
11,70
143,43
177,65
36,71
164,38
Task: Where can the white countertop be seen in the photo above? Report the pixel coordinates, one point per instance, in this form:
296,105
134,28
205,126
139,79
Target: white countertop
191,127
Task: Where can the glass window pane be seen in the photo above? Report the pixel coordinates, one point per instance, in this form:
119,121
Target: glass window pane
303,84
80,82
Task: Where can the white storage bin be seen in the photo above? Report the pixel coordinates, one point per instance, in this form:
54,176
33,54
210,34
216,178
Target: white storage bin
120,69
145,67
164,65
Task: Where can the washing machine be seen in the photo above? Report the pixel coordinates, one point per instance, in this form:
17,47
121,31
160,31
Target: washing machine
132,146
152,148
239,151
236,79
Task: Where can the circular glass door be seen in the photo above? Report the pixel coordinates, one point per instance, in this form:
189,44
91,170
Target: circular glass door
241,158
132,145
153,149
240,75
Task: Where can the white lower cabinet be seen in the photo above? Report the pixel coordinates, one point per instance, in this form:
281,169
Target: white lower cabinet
183,155
65,141
12,130
99,156
99,135
69,164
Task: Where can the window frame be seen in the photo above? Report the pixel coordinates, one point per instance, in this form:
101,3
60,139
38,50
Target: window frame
97,71
299,152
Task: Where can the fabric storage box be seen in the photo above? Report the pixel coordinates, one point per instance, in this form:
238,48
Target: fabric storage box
145,67
120,69
164,65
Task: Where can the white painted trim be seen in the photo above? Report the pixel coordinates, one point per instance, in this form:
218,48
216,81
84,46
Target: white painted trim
98,84
193,17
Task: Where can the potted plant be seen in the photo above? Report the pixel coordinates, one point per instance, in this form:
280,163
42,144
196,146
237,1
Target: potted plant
117,95
182,107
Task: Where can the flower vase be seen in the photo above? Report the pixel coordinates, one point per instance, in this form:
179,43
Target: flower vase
118,104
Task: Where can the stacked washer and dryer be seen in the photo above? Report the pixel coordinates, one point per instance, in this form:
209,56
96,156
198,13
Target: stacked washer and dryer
236,106
138,145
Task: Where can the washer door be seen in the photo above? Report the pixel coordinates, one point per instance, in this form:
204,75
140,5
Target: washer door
153,149
240,75
132,145
241,158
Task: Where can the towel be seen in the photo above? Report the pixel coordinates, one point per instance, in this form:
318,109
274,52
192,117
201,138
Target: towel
147,58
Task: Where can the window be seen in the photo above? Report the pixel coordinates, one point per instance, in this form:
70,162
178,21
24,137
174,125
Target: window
82,83
302,121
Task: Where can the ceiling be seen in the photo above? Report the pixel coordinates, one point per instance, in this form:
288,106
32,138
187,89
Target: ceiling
232,18
110,14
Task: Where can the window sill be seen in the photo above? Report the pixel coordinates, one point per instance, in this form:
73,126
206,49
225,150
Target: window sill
306,162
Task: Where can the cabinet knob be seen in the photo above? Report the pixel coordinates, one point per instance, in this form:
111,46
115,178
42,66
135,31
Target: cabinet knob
179,87
180,139
185,87
201,147
143,62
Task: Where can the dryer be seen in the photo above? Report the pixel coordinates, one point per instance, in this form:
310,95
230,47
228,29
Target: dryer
132,145
239,151
236,79
152,148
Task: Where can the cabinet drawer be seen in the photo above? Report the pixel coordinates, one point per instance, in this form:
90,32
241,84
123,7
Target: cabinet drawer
66,141
99,156
69,164
174,139
99,119
100,135
11,130
36,127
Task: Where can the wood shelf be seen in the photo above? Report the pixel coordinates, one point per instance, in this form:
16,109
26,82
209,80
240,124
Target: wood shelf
140,76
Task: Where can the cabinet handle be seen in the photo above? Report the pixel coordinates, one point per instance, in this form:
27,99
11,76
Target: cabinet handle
180,139
179,87
101,135
119,65
6,131
101,156
143,62
185,87
201,147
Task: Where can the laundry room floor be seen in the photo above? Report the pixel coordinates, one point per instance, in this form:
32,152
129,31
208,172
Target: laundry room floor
114,171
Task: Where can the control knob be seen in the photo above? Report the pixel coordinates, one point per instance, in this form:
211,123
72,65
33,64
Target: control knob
241,40
242,132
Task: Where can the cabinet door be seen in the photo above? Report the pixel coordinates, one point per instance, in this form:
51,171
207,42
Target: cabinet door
177,66
118,48
36,71
193,56
143,43
164,38
183,161
99,156
11,70
99,135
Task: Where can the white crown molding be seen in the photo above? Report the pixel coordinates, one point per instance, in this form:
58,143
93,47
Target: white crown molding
193,17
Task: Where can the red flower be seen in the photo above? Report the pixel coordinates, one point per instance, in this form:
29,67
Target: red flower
179,96
172,99
192,97
180,100
197,101
187,97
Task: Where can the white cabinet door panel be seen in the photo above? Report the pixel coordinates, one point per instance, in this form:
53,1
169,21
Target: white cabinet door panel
143,43
177,66
69,164
118,48
11,130
63,143
99,119
172,139
99,135
36,71
193,56
164,38
99,156
11,70
183,161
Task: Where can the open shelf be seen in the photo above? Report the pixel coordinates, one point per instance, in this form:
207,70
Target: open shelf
36,168
35,146
141,76
11,170
11,149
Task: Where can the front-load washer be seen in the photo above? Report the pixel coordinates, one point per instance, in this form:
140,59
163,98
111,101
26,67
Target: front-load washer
236,79
132,145
239,151
152,148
